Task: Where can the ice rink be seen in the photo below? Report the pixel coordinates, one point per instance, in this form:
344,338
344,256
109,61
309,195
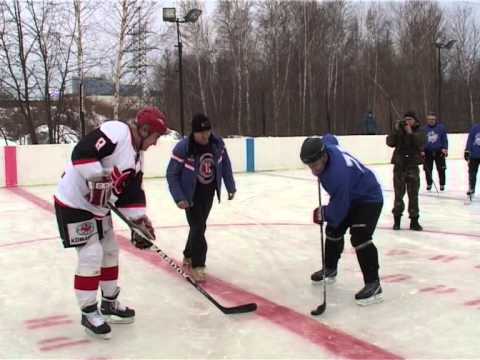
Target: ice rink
262,248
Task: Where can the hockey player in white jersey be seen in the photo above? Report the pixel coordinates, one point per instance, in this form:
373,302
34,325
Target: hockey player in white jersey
106,165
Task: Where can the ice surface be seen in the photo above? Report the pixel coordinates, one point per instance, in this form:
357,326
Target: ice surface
262,247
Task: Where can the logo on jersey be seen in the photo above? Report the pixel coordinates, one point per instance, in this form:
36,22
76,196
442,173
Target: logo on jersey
79,233
206,172
477,139
432,137
85,229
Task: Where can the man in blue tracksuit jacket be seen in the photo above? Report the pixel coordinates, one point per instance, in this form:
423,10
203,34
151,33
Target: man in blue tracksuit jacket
436,149
195,172
356,202
472,155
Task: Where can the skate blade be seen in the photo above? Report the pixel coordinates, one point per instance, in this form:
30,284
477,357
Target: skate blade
113,319
106,336
375,299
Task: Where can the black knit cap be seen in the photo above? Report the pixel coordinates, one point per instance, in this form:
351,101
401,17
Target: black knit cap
410,114
200,123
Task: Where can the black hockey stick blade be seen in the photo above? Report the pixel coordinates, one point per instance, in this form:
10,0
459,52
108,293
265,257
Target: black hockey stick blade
240,309
319,310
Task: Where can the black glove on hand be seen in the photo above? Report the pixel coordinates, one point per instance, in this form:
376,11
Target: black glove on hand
466,155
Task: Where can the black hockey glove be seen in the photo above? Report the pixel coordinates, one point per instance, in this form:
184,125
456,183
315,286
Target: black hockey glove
466,155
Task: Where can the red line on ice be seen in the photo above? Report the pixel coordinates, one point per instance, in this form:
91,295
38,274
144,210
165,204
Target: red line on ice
52,340
48,318
335,341
49,323
63,345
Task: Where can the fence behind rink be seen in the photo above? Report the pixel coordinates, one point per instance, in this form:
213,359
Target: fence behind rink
27,165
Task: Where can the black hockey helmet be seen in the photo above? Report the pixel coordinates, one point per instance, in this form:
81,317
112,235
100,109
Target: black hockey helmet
312,149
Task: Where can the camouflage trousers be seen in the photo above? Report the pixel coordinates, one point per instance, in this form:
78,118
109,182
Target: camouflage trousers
406,180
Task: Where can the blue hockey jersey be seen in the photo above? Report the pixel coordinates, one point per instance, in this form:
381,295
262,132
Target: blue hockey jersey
348,182
473,142
436,137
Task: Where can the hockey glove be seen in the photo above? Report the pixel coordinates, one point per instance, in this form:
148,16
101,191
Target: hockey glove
319,215
231,196
466,155
120,180
100,190
146,226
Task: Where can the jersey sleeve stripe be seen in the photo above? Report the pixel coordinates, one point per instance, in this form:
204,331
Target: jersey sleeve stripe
179,159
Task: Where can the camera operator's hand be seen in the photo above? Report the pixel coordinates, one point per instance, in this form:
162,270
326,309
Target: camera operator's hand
408,128
400,124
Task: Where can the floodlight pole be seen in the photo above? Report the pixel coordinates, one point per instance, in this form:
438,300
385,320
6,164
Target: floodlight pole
169,15
180,77
439,45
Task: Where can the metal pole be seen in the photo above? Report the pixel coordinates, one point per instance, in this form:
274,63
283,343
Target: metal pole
82,114
439,83
180,78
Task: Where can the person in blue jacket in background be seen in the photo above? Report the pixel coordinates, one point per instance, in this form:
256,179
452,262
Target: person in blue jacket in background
356,202
195,172
472,155
436,149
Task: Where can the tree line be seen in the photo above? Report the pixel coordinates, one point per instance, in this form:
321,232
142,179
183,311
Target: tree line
280,68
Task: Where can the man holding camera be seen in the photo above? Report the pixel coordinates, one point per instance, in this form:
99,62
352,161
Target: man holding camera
408,141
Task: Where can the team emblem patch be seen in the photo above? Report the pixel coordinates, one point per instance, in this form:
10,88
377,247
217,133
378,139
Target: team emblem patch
85,229
79,233
432,137
206,172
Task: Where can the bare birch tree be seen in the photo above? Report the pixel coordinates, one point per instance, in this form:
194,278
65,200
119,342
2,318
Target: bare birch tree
466,32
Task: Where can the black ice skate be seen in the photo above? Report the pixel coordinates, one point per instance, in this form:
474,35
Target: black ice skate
470,194
114,312
94,323
330,275
370,294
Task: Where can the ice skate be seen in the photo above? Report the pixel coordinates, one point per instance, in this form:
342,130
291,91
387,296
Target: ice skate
330,276
94,323
370,294
114,312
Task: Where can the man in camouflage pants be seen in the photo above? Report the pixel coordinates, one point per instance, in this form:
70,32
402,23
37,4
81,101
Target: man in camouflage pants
408,141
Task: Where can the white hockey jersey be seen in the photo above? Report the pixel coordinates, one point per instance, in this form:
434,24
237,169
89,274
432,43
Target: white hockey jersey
98,153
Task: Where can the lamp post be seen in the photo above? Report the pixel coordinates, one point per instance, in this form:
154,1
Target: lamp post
170,15
441,45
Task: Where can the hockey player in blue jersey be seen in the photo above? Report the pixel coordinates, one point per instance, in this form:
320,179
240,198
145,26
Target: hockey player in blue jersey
472,156
436,150
356,202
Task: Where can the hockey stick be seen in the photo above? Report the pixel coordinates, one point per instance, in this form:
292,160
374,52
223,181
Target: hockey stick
226,310
322,307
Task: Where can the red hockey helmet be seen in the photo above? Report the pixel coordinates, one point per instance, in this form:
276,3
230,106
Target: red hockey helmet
154,118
